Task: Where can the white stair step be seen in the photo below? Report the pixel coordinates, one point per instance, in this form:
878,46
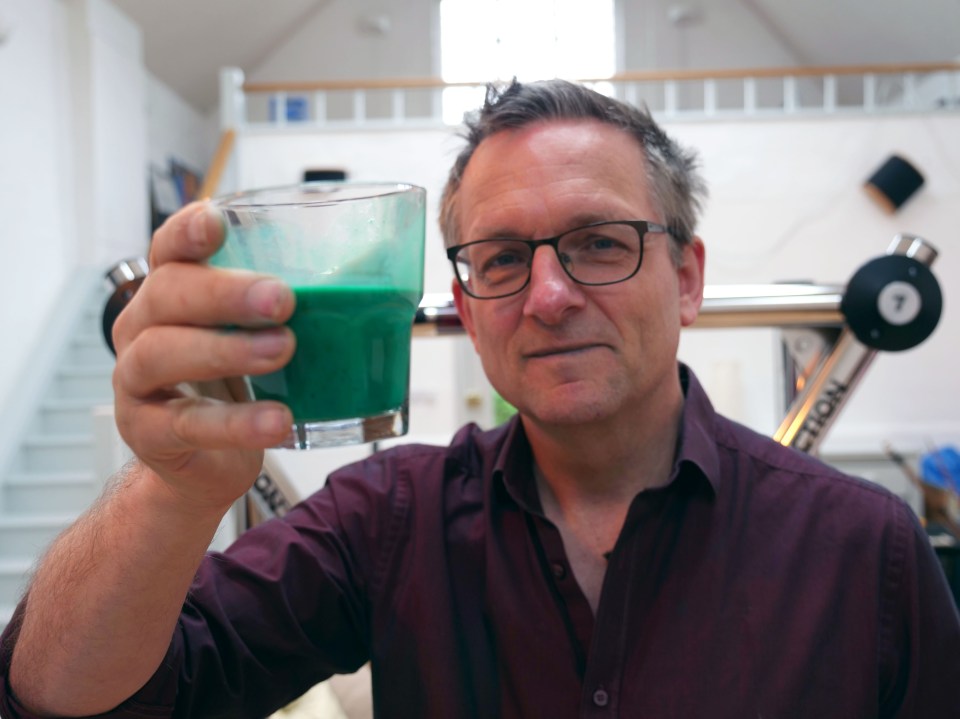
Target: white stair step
14,575
24,538
92,318
84,383
90,341
94,310
88,349
49,493
64,416
57,453
88,332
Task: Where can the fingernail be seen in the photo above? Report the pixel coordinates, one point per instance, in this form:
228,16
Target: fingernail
269,343
272,422
267,297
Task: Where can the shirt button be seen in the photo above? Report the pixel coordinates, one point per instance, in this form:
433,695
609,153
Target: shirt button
559,571
601,698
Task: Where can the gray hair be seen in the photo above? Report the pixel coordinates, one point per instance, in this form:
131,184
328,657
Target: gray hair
676,185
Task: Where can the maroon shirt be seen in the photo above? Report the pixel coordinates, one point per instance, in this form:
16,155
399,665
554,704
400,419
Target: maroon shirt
758,583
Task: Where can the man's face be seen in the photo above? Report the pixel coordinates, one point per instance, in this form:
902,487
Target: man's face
564,353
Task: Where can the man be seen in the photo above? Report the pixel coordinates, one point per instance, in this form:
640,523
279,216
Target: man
618,549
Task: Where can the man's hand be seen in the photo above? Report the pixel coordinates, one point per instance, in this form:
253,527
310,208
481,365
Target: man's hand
175,331
105,600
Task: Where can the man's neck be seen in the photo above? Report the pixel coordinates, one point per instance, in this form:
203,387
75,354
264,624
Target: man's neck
608,464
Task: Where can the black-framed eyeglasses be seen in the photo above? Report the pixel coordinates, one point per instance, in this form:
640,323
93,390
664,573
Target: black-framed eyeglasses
601,253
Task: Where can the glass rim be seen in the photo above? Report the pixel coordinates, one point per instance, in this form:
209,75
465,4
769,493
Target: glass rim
350,191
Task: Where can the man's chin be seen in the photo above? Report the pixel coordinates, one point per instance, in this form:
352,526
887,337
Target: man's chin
567,406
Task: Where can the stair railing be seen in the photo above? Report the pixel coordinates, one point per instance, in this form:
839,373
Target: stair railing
670,94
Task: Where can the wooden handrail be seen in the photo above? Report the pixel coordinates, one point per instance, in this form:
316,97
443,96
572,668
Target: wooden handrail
219,163
800,71
411,83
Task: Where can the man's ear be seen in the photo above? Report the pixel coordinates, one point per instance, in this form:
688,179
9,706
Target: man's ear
462,304
690,280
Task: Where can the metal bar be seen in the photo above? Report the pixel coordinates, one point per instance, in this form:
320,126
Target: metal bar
909,91
436,104
828,388
233,108
790,103
280,108
320,107
359,106
830,93
773,305
398,105
816,408
749,95
869,92
670,99
710,97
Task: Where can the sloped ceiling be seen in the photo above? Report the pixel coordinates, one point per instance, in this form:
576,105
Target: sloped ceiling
186,42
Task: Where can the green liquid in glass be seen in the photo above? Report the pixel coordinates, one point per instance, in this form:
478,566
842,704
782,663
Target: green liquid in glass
353,353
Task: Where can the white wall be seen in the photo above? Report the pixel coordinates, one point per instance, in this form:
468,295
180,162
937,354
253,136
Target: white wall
36,161
108,111
176,130
74,147
72,177
787,204
118,134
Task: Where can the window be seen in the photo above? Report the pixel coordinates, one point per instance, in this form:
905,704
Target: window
526,39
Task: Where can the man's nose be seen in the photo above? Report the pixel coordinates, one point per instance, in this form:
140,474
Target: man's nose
551,292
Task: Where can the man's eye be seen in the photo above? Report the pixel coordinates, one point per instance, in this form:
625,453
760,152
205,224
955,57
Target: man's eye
503,260
598,245
506,259
602,243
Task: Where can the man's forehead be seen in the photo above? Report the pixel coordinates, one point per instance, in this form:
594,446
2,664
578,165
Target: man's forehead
583,131
592,146
582,170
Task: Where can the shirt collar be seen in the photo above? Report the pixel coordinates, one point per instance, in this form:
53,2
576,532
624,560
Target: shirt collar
697,443
513,469
696,448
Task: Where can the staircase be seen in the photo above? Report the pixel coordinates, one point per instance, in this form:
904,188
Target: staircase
51,477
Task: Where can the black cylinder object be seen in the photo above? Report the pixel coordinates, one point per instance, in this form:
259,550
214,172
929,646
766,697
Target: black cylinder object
323,175
894,183
125,277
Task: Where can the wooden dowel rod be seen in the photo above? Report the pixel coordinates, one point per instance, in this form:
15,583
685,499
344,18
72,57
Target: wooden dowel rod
412,83
212,180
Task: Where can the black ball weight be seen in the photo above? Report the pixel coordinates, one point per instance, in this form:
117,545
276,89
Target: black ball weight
892,303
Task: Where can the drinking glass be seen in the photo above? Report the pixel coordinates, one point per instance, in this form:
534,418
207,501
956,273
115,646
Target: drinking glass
353,255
